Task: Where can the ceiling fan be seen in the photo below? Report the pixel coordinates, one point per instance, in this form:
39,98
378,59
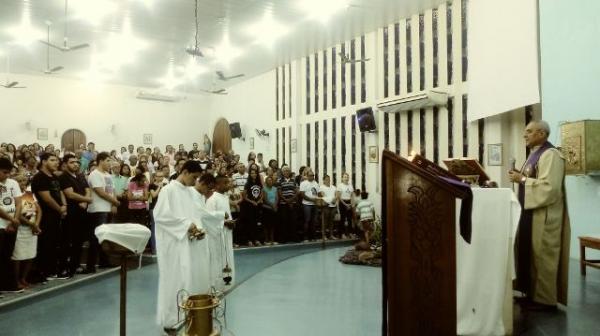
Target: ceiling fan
218,92
50,70
262,133
65,47
226,78
13,85
9,84
347,60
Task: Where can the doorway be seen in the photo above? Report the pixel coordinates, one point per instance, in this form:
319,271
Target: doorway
72,139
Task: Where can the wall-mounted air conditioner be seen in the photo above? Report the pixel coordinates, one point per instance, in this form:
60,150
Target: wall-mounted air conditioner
416,101
158,97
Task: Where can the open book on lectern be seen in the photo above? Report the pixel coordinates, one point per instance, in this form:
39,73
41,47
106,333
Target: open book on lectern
467,169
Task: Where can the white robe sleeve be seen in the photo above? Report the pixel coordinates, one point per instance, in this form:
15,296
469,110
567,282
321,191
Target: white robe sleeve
167,219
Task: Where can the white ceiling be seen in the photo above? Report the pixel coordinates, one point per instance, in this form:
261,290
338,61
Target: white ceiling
167,26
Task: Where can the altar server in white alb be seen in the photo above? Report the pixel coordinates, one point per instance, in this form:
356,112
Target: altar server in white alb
182,251
221,247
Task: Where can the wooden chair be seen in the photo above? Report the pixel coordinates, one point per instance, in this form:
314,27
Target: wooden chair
589,242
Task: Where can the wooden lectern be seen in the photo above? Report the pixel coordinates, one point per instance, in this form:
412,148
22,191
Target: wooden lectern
419,250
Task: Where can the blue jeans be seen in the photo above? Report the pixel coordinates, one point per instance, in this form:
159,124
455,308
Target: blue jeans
310,216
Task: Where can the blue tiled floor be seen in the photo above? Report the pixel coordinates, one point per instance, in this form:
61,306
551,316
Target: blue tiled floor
93,309
299,290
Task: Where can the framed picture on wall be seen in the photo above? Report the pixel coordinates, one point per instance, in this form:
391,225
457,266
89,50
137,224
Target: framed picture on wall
252,143
147,139
494,154
373,154
42,134
293,146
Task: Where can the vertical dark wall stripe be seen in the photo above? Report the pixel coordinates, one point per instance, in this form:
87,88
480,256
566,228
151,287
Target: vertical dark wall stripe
422,130
308,145
325,146
436,135
334,149
449,42
386,130
353,149
397,59
282,146
463,19
317,143
277,94
363,71
450,108
385,63
343,76
421,52
409,122
408,56
465,127
334,78
343,144
316,58
290,91
481,137
434,27
363,161
325,82
290,147
353,73
283,91
398,133
277,143
307,85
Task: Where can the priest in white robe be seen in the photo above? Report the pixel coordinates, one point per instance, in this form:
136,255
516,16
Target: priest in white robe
182,254
221,246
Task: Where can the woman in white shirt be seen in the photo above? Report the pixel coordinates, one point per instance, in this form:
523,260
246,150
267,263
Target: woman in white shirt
329,193
344,196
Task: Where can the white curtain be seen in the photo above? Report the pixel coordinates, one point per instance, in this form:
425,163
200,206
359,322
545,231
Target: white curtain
503,56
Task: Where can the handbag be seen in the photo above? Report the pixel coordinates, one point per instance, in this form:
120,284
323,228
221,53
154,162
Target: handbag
337,217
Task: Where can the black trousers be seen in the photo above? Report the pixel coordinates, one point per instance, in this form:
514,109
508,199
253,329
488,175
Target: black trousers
95,253
345,219
287,228
250,218
53,245
7,245
76,224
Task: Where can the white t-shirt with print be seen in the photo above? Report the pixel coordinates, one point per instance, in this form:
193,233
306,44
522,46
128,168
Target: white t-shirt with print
9,189
98,179
328,195
310,189
345,191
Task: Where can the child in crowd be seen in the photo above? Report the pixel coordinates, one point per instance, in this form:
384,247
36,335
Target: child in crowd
26,243
366,214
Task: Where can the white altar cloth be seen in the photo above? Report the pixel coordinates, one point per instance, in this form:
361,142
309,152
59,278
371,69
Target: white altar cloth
485,269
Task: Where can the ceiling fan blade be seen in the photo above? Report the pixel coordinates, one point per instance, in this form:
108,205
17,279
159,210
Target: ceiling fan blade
55,69
52,45
237,76
10,85
221,75
79,46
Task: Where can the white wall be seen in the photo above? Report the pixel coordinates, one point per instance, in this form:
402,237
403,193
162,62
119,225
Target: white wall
252,104
62,104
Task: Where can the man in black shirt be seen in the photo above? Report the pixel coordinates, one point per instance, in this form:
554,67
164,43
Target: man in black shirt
78,195
52,254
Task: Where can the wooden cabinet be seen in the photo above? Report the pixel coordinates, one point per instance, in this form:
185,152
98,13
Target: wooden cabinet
581,147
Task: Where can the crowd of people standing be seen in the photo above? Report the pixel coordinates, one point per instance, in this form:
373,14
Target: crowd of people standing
52,200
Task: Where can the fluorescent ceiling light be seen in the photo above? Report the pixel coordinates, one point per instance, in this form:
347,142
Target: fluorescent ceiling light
193,69
170,80
225,52
25,34
267,30
121,49
92,11
322,10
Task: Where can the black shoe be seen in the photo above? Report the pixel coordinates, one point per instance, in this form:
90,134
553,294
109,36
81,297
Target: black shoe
13,290
88,270
64,275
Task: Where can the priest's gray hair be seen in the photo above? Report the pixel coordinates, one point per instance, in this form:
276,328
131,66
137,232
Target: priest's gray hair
542,125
